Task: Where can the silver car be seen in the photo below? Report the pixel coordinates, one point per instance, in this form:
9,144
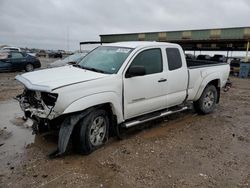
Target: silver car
72,59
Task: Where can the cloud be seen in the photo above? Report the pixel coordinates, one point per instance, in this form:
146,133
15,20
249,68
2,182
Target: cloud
46,24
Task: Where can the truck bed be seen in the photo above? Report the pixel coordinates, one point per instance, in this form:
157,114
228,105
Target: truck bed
192,64
199,70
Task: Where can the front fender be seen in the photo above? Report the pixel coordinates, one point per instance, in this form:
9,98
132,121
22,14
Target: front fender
96,99
204,83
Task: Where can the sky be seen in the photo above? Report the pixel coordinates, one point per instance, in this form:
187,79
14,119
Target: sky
62,24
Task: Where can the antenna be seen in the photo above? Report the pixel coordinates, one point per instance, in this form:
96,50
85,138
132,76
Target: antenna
67,38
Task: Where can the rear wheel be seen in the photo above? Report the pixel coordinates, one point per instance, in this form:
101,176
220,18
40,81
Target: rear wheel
207,102
93,131
29,68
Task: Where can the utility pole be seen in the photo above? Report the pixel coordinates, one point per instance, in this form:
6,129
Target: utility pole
246,58
68,38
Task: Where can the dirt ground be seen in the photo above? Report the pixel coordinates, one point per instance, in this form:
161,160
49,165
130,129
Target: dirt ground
184,150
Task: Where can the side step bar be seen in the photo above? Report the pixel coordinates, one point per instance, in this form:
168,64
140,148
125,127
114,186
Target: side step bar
162,114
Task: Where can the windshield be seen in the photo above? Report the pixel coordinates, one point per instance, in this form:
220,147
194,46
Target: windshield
74,58
105,59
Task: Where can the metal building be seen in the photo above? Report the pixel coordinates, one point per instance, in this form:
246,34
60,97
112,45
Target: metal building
220,39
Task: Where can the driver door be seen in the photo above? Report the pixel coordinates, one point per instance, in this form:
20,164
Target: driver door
18,60
145,94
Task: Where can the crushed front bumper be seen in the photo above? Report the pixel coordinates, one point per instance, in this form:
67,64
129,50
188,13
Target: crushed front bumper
38,104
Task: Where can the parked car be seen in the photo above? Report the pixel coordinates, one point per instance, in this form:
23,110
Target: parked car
15,61
11,49
190,56
118,85
204,57
41,53
219,58
72,59
55,54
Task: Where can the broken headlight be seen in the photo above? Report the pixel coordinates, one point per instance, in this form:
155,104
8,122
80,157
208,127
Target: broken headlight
49,98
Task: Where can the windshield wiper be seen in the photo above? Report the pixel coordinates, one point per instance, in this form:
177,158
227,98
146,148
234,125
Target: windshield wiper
93,69
77,65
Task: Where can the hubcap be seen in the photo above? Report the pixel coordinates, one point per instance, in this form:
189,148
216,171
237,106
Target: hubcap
29,67
98,131
208,100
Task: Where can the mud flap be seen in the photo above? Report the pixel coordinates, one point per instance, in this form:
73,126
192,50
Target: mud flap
65,132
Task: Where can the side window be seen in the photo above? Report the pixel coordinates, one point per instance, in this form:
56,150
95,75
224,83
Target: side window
174,58
151,59
16,55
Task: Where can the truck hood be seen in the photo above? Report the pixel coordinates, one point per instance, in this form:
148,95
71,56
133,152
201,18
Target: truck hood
48,80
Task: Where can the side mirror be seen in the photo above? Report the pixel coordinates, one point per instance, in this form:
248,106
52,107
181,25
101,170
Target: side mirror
135,71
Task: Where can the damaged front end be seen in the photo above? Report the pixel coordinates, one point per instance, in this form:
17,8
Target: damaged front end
38,106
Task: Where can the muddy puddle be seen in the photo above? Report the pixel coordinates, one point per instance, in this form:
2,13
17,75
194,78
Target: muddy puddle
15,134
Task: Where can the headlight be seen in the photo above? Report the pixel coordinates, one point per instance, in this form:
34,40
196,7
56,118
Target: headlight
49,98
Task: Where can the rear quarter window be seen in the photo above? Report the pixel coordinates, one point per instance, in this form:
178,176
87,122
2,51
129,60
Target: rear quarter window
174,58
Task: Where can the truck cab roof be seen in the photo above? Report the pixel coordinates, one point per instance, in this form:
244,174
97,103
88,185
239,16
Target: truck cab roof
140,44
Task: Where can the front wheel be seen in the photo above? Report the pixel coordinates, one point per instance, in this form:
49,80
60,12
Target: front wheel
207,102
93,131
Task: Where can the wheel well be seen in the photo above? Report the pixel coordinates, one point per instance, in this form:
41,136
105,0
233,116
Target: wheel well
216,83
112,117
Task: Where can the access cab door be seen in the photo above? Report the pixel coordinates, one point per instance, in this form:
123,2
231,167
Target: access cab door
177,76
146,93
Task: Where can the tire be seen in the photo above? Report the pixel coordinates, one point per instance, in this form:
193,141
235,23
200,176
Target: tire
29,67
207,101
87,139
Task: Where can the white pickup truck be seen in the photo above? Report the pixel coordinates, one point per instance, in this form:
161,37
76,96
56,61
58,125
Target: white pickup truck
118,85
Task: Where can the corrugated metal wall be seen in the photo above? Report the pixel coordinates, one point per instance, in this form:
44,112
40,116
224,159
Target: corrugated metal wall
208,34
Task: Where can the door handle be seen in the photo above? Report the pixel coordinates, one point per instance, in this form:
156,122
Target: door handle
162,80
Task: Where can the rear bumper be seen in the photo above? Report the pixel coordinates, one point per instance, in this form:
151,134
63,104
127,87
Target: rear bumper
37,64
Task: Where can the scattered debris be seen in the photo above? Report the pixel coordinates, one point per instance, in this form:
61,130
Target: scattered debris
125,151
203,175
243,139
44,176
28,123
